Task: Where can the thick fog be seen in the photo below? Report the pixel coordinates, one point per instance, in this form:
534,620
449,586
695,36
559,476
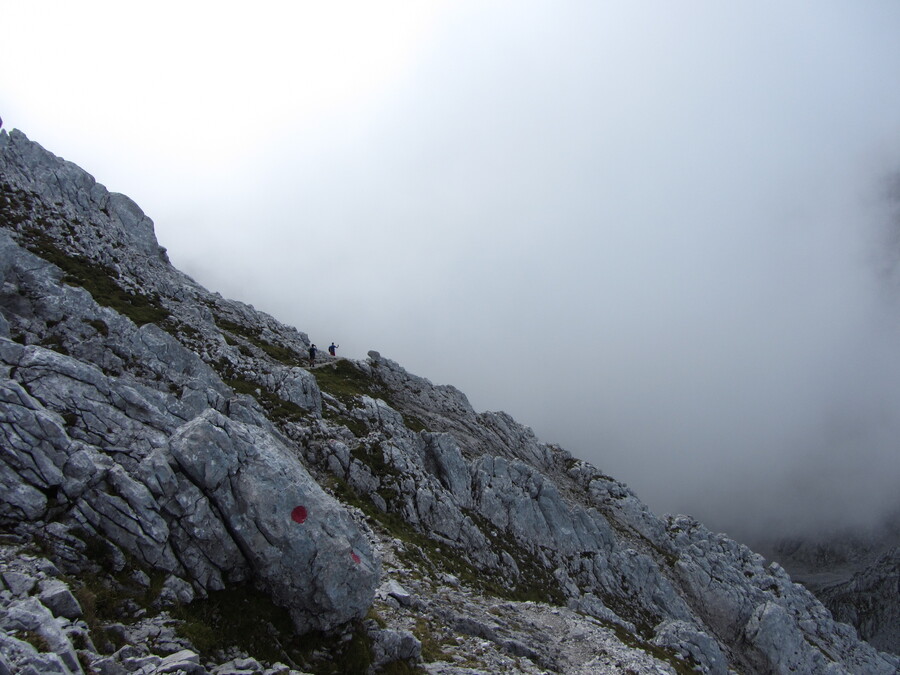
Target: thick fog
664,235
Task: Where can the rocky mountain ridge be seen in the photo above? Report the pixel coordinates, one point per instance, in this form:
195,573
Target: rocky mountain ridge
202,499
856,574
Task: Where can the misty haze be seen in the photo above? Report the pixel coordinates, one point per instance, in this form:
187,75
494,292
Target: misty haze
664,237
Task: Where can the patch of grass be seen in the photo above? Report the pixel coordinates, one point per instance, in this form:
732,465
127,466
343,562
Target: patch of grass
242,386
246,618
536,583
25,214
84,660
278,408
281,354
237,617
104,596
98,600
187,330
347,383
97,550
432,645
55,343
631,610
357,427
98,280
157,581
15,206
181,331
681,666
102,602
98,325
36,640
414,423
373,615
373,457
400,668
353,656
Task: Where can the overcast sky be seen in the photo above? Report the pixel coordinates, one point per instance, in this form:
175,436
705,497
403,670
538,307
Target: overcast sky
659,233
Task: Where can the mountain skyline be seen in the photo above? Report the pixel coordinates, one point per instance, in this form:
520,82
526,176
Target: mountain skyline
178,455
660,237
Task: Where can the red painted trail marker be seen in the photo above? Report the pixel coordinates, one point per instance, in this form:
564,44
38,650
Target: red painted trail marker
298,515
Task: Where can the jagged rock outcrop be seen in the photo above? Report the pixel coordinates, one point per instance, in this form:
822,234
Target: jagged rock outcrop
856,574
870,601
182,466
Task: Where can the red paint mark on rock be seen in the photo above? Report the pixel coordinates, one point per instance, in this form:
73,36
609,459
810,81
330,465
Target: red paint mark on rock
298,515
355,557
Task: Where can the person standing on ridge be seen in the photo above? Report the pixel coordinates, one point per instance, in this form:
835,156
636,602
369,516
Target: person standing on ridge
332,349
312,354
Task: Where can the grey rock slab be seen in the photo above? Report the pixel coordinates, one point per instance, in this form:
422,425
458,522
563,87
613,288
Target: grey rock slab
174,591
35,449
692,643
870,601
108,666
141,664
110,413
125,511
298,540
184,661
443,458
299,386
19,583
239,666
395,589
31,615
56,596
392,645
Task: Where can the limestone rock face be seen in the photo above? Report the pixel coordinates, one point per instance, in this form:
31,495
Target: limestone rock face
296,538
870,600
855,573
58,182
110,423
171,462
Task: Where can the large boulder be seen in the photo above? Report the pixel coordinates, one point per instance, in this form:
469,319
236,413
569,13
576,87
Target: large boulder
300,542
